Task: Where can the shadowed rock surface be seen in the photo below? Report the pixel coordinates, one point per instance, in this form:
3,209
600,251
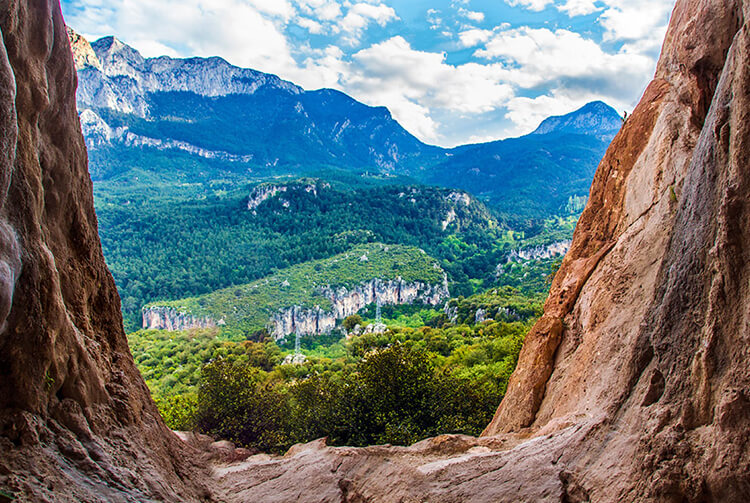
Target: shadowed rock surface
634,386
76,419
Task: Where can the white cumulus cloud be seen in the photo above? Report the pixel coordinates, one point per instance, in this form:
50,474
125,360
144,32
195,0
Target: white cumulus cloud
360,15
413,83
472,15
534,5
579,7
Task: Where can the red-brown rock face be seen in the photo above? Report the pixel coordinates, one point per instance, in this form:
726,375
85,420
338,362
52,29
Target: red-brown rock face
76,419
645,331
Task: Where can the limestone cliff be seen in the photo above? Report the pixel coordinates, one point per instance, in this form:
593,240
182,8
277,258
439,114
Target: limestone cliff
312,321
168,318
347,301
556,249
76,420
266,191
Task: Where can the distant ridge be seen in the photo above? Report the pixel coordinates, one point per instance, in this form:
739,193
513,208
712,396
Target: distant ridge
595,118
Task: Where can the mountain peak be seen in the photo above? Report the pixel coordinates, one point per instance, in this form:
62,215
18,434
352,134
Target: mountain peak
116,56
83,54
595,118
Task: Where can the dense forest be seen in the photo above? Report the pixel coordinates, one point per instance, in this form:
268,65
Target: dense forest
195,239
207,243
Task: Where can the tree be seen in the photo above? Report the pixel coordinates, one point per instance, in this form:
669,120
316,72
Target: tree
352,321
234,404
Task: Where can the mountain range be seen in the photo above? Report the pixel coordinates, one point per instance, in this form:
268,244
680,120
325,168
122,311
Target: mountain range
202,118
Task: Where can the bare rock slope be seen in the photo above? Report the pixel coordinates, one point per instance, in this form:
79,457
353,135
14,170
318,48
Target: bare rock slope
76,419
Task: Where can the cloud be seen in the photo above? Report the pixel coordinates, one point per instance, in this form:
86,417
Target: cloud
533,5
579,7
434,19
280,8
621,19
538,57
360,15
414,83
247,33
636,19
475,16
310,25
474,37
322,10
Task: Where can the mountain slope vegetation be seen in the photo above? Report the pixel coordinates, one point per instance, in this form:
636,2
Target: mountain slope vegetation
247,308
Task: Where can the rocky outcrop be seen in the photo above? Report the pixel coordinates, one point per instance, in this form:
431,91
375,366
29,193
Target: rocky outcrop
644,338
76,419
298,320
83,54
169,318
266,191
347,301
263,193
131,139
540,252
123,78
98,133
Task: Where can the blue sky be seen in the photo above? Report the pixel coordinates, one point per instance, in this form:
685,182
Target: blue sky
450,71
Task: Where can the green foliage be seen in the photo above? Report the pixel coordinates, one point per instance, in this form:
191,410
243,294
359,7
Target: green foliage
352,321
165,242
49,381
575,205
234,404
396,387
248,308
180,412
405,315
502,304
171,362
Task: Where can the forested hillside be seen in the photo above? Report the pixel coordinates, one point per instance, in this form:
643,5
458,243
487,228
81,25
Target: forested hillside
188,242
319,291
